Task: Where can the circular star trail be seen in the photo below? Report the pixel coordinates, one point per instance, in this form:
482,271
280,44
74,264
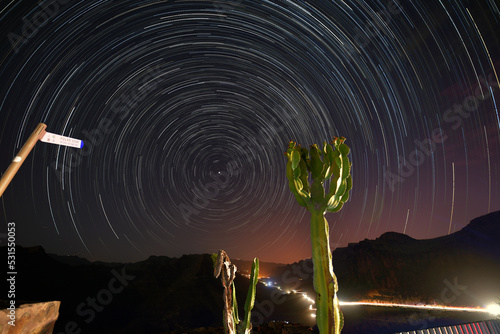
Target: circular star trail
186,108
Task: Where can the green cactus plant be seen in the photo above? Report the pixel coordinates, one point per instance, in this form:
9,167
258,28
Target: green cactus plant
231,320
323,164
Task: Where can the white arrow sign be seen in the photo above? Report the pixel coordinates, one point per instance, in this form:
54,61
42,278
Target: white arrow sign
52,138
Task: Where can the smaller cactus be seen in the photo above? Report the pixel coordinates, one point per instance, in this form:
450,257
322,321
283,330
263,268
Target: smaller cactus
232,323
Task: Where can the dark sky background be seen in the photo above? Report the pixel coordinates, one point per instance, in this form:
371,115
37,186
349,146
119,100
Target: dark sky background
186,109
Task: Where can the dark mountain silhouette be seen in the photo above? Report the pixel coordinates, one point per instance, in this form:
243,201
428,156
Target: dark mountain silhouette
71,260
462,268
76,261
161,294
157,295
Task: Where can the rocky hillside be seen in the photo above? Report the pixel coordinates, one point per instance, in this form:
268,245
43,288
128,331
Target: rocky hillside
462,268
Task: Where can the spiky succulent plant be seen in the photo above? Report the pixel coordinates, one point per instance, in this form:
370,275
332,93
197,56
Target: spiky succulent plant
227,271
307,171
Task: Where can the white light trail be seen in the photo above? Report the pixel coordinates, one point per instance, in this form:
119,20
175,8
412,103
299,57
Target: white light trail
492,309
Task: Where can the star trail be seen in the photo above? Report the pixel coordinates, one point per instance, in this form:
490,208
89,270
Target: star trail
186,109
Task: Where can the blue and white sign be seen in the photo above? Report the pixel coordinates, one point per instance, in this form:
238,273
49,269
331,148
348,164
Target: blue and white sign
52,138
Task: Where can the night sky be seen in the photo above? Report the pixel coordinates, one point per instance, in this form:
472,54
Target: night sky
186,109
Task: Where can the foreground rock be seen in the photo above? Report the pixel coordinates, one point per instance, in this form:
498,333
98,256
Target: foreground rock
38,318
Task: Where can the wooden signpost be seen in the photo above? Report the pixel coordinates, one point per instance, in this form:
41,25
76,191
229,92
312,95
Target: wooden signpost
38,134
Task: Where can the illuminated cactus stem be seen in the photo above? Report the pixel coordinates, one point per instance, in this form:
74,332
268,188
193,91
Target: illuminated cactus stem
227,271
328,163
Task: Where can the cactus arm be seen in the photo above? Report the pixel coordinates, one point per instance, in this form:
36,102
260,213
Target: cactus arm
329,159
296,186
295,158
304,176
236,318
296,172
246,325
339,193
